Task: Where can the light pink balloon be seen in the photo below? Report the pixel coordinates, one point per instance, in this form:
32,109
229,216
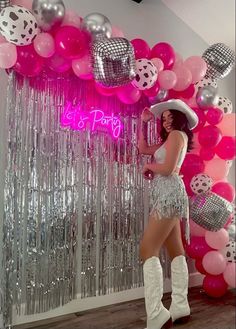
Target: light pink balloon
230,274
184,78
8,55
227,125
44,45
217,240
2,39
82,66
214,262
178,61
24,3
117,32
167,79
158,63
216,169
197,66
195,229
72,19
192,102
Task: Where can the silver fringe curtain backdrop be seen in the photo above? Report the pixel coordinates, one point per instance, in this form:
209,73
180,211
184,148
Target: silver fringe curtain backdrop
75,202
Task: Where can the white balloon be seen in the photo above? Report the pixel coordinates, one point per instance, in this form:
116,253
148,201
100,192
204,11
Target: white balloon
146,74
229,252
201,183
225,104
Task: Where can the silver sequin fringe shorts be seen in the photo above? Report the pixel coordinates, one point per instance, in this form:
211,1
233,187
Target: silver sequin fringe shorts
170,200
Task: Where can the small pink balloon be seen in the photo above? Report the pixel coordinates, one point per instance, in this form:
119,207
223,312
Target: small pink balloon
215,285
128,94
58,63
184,78
158,63
71,19
117,32
165,52
225,190
207,154
195,229
28,63
178,61
227,125
2,39
192,165
24,3
201,120
199,266
167,79
197,247
82,66
44,45
214,262
141,48
226,149
214,115
209,136
217,240
192,102
8,55
152,92
197,66
230,274
216,169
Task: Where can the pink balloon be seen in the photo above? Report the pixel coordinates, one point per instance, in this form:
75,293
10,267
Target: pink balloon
2,39
105,91
227,125
209,136
197,66
71,19
24,3
214,262
167,79
226,149
70,42
192,102
165,52
141,48
178,61
88,76
128,94
82,66
216,169
197,247
195,229
44,45
215,285
192,165
196,144
58,63
201,119
158,63
199,266
217,240
214,115
117,32
207,154
8,55
184,78
152,92
230,274
28,63
229,221
225,190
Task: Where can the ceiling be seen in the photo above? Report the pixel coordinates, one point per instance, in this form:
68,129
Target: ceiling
212,20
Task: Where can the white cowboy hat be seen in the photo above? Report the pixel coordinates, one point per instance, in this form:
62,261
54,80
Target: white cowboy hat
176,104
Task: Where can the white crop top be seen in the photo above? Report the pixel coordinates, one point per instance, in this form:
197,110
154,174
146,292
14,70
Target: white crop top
160,153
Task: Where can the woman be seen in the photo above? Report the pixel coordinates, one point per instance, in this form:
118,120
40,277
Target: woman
171,205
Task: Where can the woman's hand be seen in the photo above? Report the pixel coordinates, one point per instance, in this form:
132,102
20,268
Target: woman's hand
146,115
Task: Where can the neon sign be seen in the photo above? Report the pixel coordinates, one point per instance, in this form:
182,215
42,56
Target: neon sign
76,119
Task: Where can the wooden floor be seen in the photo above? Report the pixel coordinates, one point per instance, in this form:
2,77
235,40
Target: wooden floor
207,313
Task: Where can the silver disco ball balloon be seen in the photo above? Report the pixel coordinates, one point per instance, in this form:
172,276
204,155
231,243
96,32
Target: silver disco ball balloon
97,25
207,97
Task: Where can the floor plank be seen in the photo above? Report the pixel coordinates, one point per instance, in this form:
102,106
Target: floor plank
207,313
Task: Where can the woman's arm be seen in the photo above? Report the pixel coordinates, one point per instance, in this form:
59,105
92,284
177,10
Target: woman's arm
174,146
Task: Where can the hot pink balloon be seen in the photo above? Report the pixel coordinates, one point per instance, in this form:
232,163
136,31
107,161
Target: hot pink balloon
199,266
207,154
82,66
8,55
227,125
71,19
105,91
24,3
44,45
158,63
165,52
195,229
214,262
152,92
128,94
167,79
216,169
197,247
70,42
214,115
225,190
226,149
201,119
141,48
215,285
209,136
217,240
184,78
197,66
58,63
28,63
196,144
230,274
117,32
192,165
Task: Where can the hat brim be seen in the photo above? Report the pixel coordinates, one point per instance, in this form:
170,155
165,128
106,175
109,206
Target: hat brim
178,105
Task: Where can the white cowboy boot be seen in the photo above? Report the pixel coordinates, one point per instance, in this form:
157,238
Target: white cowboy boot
179,308
158,317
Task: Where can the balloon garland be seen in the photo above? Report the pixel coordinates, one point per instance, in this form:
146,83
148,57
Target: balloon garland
44,35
